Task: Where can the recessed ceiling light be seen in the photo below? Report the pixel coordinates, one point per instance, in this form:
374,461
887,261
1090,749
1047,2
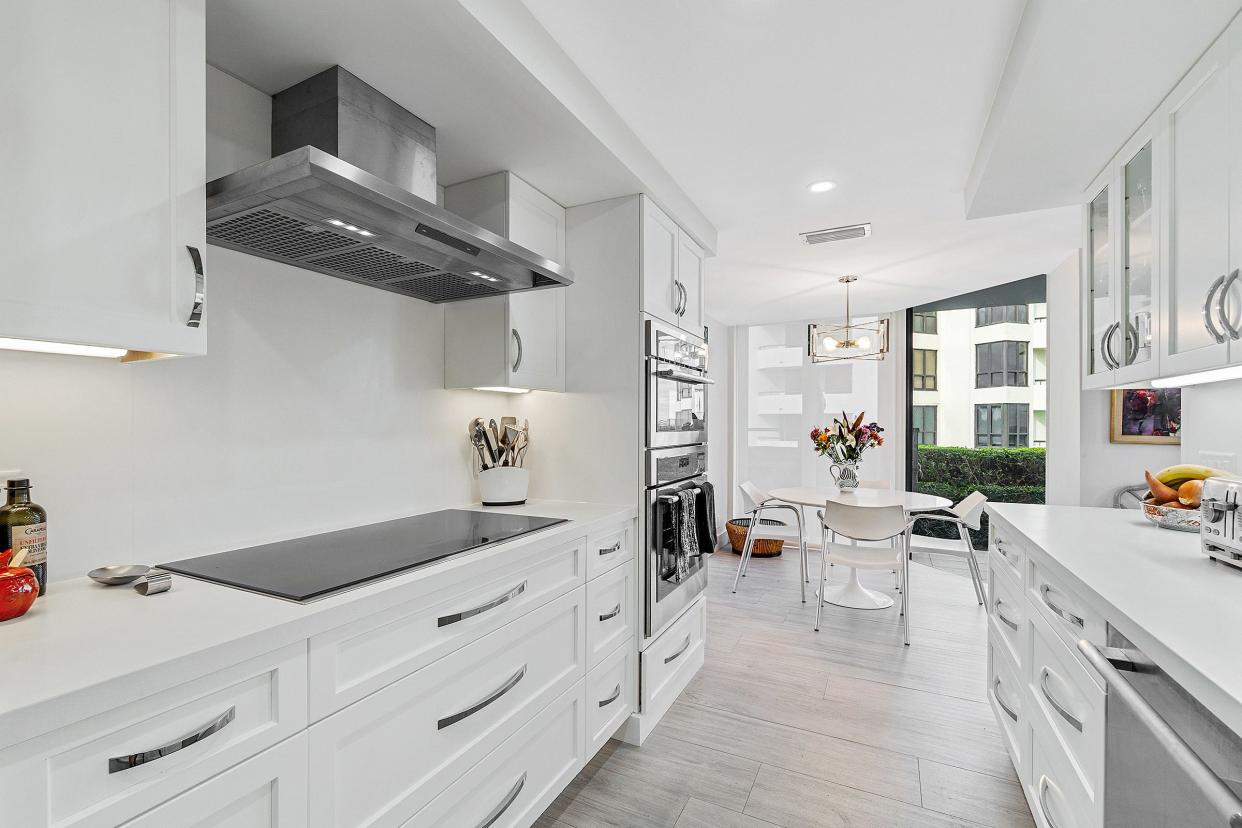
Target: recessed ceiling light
822,186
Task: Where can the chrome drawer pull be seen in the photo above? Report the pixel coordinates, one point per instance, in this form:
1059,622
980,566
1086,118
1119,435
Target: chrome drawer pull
484,702
1073,720
499,810
1207,311
616,694
200,288
1044,591
996,683
120,763
1001,549
1009,622
1044,784
616,547
613,613
445,620
1233,332
517,363
677,654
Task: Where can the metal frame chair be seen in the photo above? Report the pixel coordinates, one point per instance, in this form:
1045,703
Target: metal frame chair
763,503
965,515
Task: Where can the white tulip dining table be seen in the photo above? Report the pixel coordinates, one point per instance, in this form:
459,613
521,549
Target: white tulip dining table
852,593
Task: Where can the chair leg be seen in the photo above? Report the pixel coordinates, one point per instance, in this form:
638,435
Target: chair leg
804,575
823,576
750,540
972,563
905,592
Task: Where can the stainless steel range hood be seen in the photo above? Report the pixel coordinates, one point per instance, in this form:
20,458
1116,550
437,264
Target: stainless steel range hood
330,201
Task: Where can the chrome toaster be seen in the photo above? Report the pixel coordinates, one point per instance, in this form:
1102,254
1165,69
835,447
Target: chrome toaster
1219,529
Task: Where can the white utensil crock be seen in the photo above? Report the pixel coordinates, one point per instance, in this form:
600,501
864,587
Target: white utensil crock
503,486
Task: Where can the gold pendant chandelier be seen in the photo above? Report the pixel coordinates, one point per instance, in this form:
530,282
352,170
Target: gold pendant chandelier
836,343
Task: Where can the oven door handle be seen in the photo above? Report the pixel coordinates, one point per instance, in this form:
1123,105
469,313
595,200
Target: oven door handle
1214,790
682,376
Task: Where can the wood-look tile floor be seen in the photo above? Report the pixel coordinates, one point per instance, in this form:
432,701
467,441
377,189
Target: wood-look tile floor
844,727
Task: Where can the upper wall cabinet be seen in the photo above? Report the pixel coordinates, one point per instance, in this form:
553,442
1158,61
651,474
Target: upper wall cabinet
104,174
1162,235
672,271
515,341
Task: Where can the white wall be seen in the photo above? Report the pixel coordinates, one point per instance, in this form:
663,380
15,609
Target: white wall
1210,432
1064,462
720,419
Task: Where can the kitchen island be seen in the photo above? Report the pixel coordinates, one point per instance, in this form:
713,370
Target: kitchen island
1060,575
391,701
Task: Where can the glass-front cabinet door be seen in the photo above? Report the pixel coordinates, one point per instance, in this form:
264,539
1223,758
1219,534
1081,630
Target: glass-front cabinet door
1133,341
1100,301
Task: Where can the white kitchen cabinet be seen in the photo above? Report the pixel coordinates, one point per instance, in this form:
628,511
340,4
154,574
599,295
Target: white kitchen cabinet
268,791
518,340
1098,293
672,266
104,173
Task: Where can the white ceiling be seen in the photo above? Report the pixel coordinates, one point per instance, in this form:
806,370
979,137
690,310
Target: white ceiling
745,102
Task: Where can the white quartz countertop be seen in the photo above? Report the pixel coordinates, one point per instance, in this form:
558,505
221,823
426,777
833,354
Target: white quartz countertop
94,647
1154,585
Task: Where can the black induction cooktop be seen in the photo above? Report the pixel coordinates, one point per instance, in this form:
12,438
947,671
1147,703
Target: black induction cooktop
304,569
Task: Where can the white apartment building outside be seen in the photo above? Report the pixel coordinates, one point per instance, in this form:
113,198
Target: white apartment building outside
980,376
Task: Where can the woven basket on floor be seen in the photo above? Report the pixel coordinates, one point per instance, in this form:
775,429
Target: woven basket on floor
763,548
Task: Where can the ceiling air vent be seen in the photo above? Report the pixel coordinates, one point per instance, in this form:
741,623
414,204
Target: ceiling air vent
836,234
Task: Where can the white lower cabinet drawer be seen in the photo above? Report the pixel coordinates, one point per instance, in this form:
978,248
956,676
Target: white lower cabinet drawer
518,780
116,765
669,662
610,691
443,614
1007,617
1008,706
265,791
610,613
380,760
608,548
1070,705
1059,801
1006,553
1071,617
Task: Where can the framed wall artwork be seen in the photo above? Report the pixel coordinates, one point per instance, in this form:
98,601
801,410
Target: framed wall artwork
1146,415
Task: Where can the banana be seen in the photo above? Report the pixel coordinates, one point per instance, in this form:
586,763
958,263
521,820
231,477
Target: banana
1174,476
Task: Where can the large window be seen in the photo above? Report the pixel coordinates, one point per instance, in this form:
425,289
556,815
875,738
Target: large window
1002,424
924,322
924,370
923,423
1001,313
998,364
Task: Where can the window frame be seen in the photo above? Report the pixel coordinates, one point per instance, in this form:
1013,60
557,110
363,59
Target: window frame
919,323
1000,314
1014,367
919,374
1008,425
918,422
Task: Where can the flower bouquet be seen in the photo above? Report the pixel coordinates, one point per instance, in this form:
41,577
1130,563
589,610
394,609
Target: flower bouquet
844,442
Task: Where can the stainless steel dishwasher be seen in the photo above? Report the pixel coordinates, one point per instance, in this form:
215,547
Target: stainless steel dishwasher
1168,762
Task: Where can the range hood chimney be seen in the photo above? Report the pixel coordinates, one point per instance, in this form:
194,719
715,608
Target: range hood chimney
351,193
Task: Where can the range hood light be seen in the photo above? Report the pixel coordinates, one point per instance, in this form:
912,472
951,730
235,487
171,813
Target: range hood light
502,389
484,276
351,228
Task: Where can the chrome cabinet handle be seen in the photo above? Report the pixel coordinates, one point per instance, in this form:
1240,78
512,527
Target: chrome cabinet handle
1220,795
498,811
616,694
681,298
685,299
1106,346
613,613
509,684
453,618
200,288
1207,311
133,760
1044,592
678,654
1233,332
1132,343
517,363
1000,547
1044,784
996,683
1009,622
1061,709
616,547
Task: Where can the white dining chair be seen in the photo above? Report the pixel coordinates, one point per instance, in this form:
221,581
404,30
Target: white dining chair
873,483
966,515
764,504
866,523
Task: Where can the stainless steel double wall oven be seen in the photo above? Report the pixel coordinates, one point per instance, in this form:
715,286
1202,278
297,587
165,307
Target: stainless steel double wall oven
675,459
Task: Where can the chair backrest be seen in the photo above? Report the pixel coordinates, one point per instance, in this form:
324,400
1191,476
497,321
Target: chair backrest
970,510
756,495
874,484
866,523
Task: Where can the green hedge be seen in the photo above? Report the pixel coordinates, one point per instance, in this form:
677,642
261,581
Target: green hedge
1004,475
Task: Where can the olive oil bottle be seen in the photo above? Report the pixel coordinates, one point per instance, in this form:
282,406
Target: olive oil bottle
23,528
